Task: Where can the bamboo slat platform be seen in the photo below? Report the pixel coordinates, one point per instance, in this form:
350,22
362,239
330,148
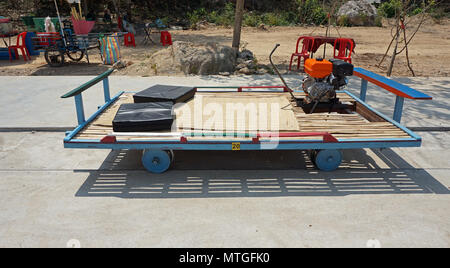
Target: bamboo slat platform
359,123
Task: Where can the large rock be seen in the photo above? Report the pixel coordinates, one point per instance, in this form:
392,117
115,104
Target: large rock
358,13
195,59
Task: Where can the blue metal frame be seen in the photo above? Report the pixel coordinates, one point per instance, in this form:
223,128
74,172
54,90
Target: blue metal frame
401,91
80,109
71,134
245,144
363,92
106,89
398,109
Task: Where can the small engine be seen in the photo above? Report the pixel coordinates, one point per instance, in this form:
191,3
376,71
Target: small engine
324,78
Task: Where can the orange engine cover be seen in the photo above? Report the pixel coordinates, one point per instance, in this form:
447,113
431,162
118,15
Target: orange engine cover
318,68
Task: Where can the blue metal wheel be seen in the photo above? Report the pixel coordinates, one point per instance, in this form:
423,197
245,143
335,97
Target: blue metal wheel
327,160
156,161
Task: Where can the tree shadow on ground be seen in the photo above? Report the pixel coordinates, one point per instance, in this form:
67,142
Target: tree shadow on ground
212,174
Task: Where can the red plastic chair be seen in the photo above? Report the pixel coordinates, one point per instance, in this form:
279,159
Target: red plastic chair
307,45
166,38
345,48
20,45
129,40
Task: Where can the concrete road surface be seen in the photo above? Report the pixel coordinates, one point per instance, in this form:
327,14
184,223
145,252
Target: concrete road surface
54,197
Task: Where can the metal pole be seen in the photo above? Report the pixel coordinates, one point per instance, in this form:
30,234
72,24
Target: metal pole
362,94
398,109
60,23
80,109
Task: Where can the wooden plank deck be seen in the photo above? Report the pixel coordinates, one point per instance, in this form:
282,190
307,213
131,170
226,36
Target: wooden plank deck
363,125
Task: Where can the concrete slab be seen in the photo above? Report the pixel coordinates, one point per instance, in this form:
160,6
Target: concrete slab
41,211
34,101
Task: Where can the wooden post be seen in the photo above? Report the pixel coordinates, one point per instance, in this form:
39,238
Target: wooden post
85,7
238,24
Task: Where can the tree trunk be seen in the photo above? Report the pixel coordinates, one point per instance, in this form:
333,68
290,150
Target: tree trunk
238,24
394,53
85,7
407,53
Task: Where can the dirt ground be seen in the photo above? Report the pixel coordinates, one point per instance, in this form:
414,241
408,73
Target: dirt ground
429,51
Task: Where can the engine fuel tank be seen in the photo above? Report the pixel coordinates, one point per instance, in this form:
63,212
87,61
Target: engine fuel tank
318,68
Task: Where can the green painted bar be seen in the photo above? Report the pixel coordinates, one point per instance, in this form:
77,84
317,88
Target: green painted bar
88,84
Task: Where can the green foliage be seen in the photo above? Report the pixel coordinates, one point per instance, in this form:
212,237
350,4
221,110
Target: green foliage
303,11
417,11
254,19
197,15
166,20
227,15
390,9
221,12
224,17
436,9
251,19
311,12
276,19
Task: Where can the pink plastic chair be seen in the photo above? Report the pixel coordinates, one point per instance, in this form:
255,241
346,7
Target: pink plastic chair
20,45
344,50
305,53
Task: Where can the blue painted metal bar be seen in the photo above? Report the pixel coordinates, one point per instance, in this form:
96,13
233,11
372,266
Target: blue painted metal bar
140,145
387,118
80,108
390,85
106,89
91,118
363,93
398,109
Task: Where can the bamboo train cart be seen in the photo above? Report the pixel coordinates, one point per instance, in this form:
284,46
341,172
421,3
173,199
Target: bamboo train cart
325,134
57,46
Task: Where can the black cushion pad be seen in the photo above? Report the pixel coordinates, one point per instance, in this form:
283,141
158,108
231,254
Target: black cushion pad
140,117
158,93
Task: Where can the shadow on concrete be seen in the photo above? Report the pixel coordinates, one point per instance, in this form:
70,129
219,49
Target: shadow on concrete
211,174
72,68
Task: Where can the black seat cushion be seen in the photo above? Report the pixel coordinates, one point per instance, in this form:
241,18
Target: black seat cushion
158,93
140,117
